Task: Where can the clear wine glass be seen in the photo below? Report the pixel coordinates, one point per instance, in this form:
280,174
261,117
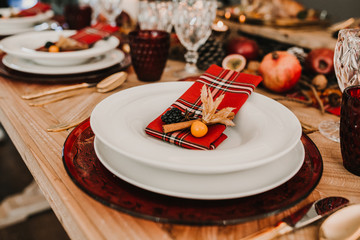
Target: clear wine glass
192,23
110,9
156,15
347,70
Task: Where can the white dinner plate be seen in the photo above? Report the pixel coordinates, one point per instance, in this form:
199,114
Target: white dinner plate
265,130
24,45
96,63
202,186
21,22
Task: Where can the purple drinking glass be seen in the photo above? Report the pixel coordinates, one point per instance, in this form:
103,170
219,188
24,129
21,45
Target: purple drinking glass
78,16
350,129
149,50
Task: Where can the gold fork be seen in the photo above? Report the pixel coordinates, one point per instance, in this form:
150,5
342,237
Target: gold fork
65,126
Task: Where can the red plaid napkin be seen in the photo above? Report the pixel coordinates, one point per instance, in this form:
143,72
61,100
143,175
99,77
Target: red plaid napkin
90,35
38,8
237,87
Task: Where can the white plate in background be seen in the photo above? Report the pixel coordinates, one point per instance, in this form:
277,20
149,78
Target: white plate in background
21,22
24,45
93,64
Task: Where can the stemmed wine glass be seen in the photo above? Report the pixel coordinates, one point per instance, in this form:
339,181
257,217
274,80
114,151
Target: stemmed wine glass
156,15
347,70
110,9
192,23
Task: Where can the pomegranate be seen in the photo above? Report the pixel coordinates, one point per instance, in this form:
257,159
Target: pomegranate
243,46
280,71
320,61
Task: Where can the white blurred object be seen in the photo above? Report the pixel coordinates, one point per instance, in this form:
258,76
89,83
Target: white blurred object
18,207
156,15
132,8
342,225
110,9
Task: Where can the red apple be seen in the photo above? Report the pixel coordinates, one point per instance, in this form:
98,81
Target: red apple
243,46
280,71
320,61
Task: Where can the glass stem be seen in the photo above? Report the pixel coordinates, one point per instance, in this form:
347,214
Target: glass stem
191,58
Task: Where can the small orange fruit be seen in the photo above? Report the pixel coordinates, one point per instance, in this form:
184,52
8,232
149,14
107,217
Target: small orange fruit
198,129
54,48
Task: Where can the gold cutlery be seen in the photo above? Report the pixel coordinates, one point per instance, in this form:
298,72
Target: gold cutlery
64,126
41,101
57,90
109,83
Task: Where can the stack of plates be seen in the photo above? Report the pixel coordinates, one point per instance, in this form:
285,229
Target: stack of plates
262,151
14,25
23,56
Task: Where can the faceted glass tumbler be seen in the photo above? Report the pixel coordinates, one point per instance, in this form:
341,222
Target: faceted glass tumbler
149,50
350,129
78,16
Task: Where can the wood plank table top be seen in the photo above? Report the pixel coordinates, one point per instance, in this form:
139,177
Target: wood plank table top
85,218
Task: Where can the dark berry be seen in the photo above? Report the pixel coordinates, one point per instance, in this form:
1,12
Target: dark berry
174,115
49,44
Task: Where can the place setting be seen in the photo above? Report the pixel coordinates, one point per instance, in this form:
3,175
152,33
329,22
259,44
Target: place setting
180,152
89,54
14,21
168,181
105,162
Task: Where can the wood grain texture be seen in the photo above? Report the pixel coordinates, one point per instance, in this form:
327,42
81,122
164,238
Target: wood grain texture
85,218
307,37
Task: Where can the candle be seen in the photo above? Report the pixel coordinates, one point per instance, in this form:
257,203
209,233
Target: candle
242,18
220,27
227,15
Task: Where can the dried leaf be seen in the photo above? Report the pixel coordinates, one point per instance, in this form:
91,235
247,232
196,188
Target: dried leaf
210,115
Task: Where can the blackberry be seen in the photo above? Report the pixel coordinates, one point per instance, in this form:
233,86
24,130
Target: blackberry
49,44
174,115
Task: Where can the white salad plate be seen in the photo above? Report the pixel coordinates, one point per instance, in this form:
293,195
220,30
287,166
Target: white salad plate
93,64
202,186
24,45
265,130
7,22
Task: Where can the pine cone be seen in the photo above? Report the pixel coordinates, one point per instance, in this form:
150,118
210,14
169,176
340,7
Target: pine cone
212,52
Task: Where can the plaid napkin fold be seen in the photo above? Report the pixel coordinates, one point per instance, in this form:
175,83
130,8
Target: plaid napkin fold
90,35
36,9
237,87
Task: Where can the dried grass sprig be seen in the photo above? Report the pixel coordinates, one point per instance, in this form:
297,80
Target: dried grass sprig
210,115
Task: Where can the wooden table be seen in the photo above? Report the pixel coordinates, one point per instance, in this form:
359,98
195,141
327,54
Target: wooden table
85,218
